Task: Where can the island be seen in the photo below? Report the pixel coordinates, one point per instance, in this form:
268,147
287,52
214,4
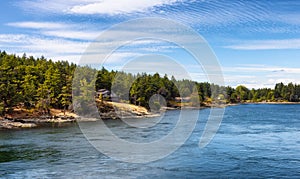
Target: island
34,91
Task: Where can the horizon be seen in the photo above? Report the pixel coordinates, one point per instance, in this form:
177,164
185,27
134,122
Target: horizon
257,43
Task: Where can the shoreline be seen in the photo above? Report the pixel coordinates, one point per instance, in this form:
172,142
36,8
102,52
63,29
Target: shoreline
272,103
22,118
125,111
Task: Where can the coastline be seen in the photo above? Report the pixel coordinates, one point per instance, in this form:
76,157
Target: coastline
272,103
20,120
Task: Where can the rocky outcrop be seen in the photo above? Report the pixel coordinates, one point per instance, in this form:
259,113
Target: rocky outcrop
106,110
8,124
11,123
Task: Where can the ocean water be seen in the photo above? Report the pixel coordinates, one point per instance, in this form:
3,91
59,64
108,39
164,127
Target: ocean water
254,141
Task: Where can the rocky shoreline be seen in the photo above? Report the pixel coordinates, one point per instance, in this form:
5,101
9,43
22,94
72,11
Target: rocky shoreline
108,110
8,123
111,111
15,123
120,112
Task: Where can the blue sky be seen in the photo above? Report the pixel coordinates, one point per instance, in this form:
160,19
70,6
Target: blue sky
257,42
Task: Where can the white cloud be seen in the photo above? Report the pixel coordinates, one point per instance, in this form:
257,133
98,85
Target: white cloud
250,80
67,49
283,80
51,6
267,45
55,46
57,29
62,41
39,25
260,76
73,34
262,68
37,46
113,7
12,38
110,7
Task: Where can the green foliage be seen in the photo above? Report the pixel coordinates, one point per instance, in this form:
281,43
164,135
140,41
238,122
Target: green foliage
195,100
29,82
44,84
242,93
10,81
2,108
84,89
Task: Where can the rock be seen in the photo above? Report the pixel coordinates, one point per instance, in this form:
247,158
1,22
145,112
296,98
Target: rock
10,123
28,125
7,124
60,120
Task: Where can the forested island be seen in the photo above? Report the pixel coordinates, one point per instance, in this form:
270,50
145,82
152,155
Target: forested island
39,87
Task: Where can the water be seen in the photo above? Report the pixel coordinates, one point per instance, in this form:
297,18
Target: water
254,141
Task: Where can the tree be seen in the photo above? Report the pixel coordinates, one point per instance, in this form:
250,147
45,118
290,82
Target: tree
253,95
29,90
65,97
32,82
52,82
278,90
242,92
43,95
9,92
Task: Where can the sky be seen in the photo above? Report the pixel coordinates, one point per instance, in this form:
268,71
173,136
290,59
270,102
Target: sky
257,43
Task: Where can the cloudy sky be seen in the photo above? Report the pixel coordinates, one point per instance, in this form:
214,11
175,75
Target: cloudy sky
256,42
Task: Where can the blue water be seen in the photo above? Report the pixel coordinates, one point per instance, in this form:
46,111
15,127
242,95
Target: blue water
254,141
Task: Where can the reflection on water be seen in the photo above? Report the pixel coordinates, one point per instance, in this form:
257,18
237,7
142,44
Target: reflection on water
253,141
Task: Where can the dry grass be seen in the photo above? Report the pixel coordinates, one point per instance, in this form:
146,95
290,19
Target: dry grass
59,112
129,107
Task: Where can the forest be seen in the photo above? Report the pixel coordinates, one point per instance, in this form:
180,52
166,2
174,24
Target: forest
41,84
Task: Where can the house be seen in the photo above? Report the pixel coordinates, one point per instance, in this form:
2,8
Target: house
104,92
106,95
183,99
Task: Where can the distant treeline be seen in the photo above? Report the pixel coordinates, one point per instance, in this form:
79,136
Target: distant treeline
143,86
38,83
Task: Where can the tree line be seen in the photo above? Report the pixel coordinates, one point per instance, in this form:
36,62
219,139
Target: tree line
38,83
34,83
